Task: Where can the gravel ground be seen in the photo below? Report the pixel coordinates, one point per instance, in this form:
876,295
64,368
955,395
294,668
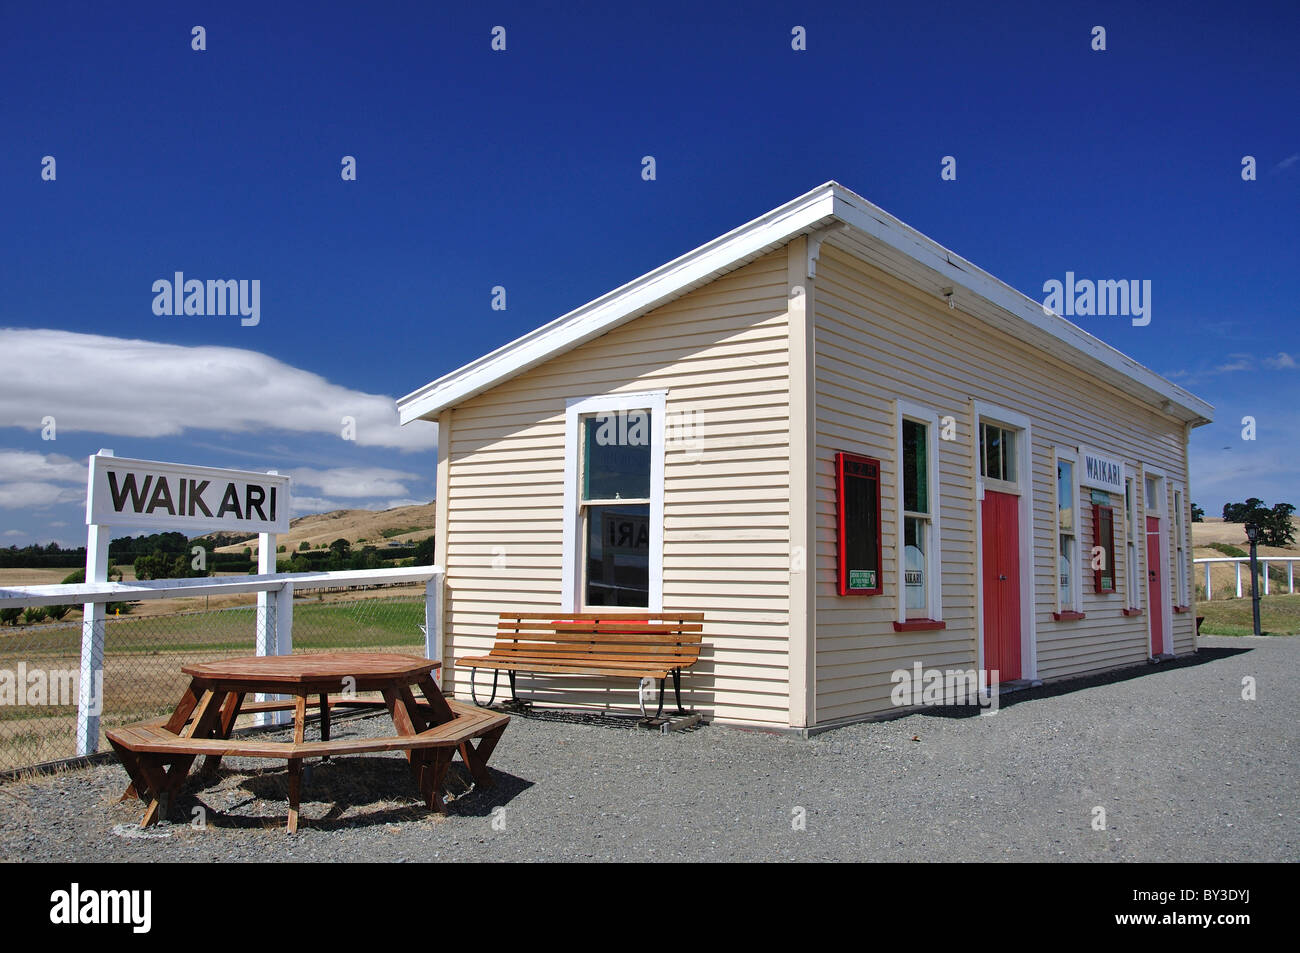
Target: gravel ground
1185,769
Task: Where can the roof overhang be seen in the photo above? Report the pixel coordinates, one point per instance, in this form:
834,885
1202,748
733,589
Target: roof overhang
864,229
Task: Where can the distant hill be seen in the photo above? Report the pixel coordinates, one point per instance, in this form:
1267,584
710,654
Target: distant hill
402,524
1215,530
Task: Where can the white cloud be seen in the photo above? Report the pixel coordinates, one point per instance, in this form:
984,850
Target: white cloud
164,390
1289,161
1283,361
14,532
354,481
29,479
305,505
394,504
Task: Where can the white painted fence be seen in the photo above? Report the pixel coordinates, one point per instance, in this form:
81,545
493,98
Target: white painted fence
274,614
1238,561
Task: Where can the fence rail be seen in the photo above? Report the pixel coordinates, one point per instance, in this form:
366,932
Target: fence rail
121,668
1238,561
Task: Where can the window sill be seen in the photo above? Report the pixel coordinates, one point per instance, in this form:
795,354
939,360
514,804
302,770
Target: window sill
1068,616
1131,611
919,625
1182,608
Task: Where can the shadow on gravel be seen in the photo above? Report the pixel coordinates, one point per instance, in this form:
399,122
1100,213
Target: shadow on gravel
381,786
592,719
1204,656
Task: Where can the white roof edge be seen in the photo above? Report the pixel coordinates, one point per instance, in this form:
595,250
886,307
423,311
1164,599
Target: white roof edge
803,214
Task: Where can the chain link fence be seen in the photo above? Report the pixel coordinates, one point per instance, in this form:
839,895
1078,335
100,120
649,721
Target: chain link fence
143,656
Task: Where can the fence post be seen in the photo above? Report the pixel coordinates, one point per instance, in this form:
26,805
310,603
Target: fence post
1263,563
1238,565
1290,576
267,623
90,689
433,621
1209,593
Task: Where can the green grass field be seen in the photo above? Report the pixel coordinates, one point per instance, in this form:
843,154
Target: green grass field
1278,615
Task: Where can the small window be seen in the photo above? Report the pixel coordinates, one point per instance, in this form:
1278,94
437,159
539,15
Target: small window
1183,597
857,493
1103,539
1131,581
1152,495
916,519
614,508
997,453
1066,543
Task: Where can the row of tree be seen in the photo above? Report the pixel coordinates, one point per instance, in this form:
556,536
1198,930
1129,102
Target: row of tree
1274,523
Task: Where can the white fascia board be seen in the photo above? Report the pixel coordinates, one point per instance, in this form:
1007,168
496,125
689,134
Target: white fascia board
861,214
622,304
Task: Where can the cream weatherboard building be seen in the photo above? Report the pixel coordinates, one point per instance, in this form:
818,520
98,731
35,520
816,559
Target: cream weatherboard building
852,449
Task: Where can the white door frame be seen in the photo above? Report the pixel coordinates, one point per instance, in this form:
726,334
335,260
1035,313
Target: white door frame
991,413
1162,548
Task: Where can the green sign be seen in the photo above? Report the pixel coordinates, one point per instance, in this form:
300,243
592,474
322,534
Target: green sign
1101,497
862,579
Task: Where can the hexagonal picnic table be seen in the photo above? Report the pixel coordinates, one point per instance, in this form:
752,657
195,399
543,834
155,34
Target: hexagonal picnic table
158,754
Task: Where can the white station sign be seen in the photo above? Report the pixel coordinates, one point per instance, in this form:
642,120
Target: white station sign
202,499
1100,473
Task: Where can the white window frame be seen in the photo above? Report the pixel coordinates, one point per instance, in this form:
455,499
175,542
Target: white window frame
933,563
993,483
576,408
1132,577
1076,575
1177,529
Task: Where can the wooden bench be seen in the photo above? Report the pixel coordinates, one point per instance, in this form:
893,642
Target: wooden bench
643,645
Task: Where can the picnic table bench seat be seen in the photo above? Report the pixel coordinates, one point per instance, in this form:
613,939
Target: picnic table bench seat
642,645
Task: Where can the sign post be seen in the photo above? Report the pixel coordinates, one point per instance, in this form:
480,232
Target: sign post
199,500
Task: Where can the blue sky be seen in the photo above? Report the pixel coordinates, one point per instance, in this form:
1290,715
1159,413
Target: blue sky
522,169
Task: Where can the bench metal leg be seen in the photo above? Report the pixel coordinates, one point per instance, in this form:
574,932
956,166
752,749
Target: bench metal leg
495,673
677,690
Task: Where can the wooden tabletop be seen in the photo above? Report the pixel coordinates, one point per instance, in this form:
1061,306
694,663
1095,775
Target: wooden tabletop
297,669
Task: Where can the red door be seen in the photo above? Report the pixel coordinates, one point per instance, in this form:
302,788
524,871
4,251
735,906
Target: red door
1155,586
1000,528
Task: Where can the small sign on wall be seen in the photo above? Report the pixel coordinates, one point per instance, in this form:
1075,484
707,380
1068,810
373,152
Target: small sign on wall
1099,472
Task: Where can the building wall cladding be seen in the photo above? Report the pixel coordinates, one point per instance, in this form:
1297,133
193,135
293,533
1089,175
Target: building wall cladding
721,352
878,339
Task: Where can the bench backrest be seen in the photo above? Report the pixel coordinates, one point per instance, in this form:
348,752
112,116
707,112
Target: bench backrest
674,635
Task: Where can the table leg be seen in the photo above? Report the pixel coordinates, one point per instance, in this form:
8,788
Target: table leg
476,758
229,713
131,762
325,720
441,710
434,763
180,715
295,792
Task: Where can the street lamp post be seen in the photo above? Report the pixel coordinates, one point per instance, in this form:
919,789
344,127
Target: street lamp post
1252,534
